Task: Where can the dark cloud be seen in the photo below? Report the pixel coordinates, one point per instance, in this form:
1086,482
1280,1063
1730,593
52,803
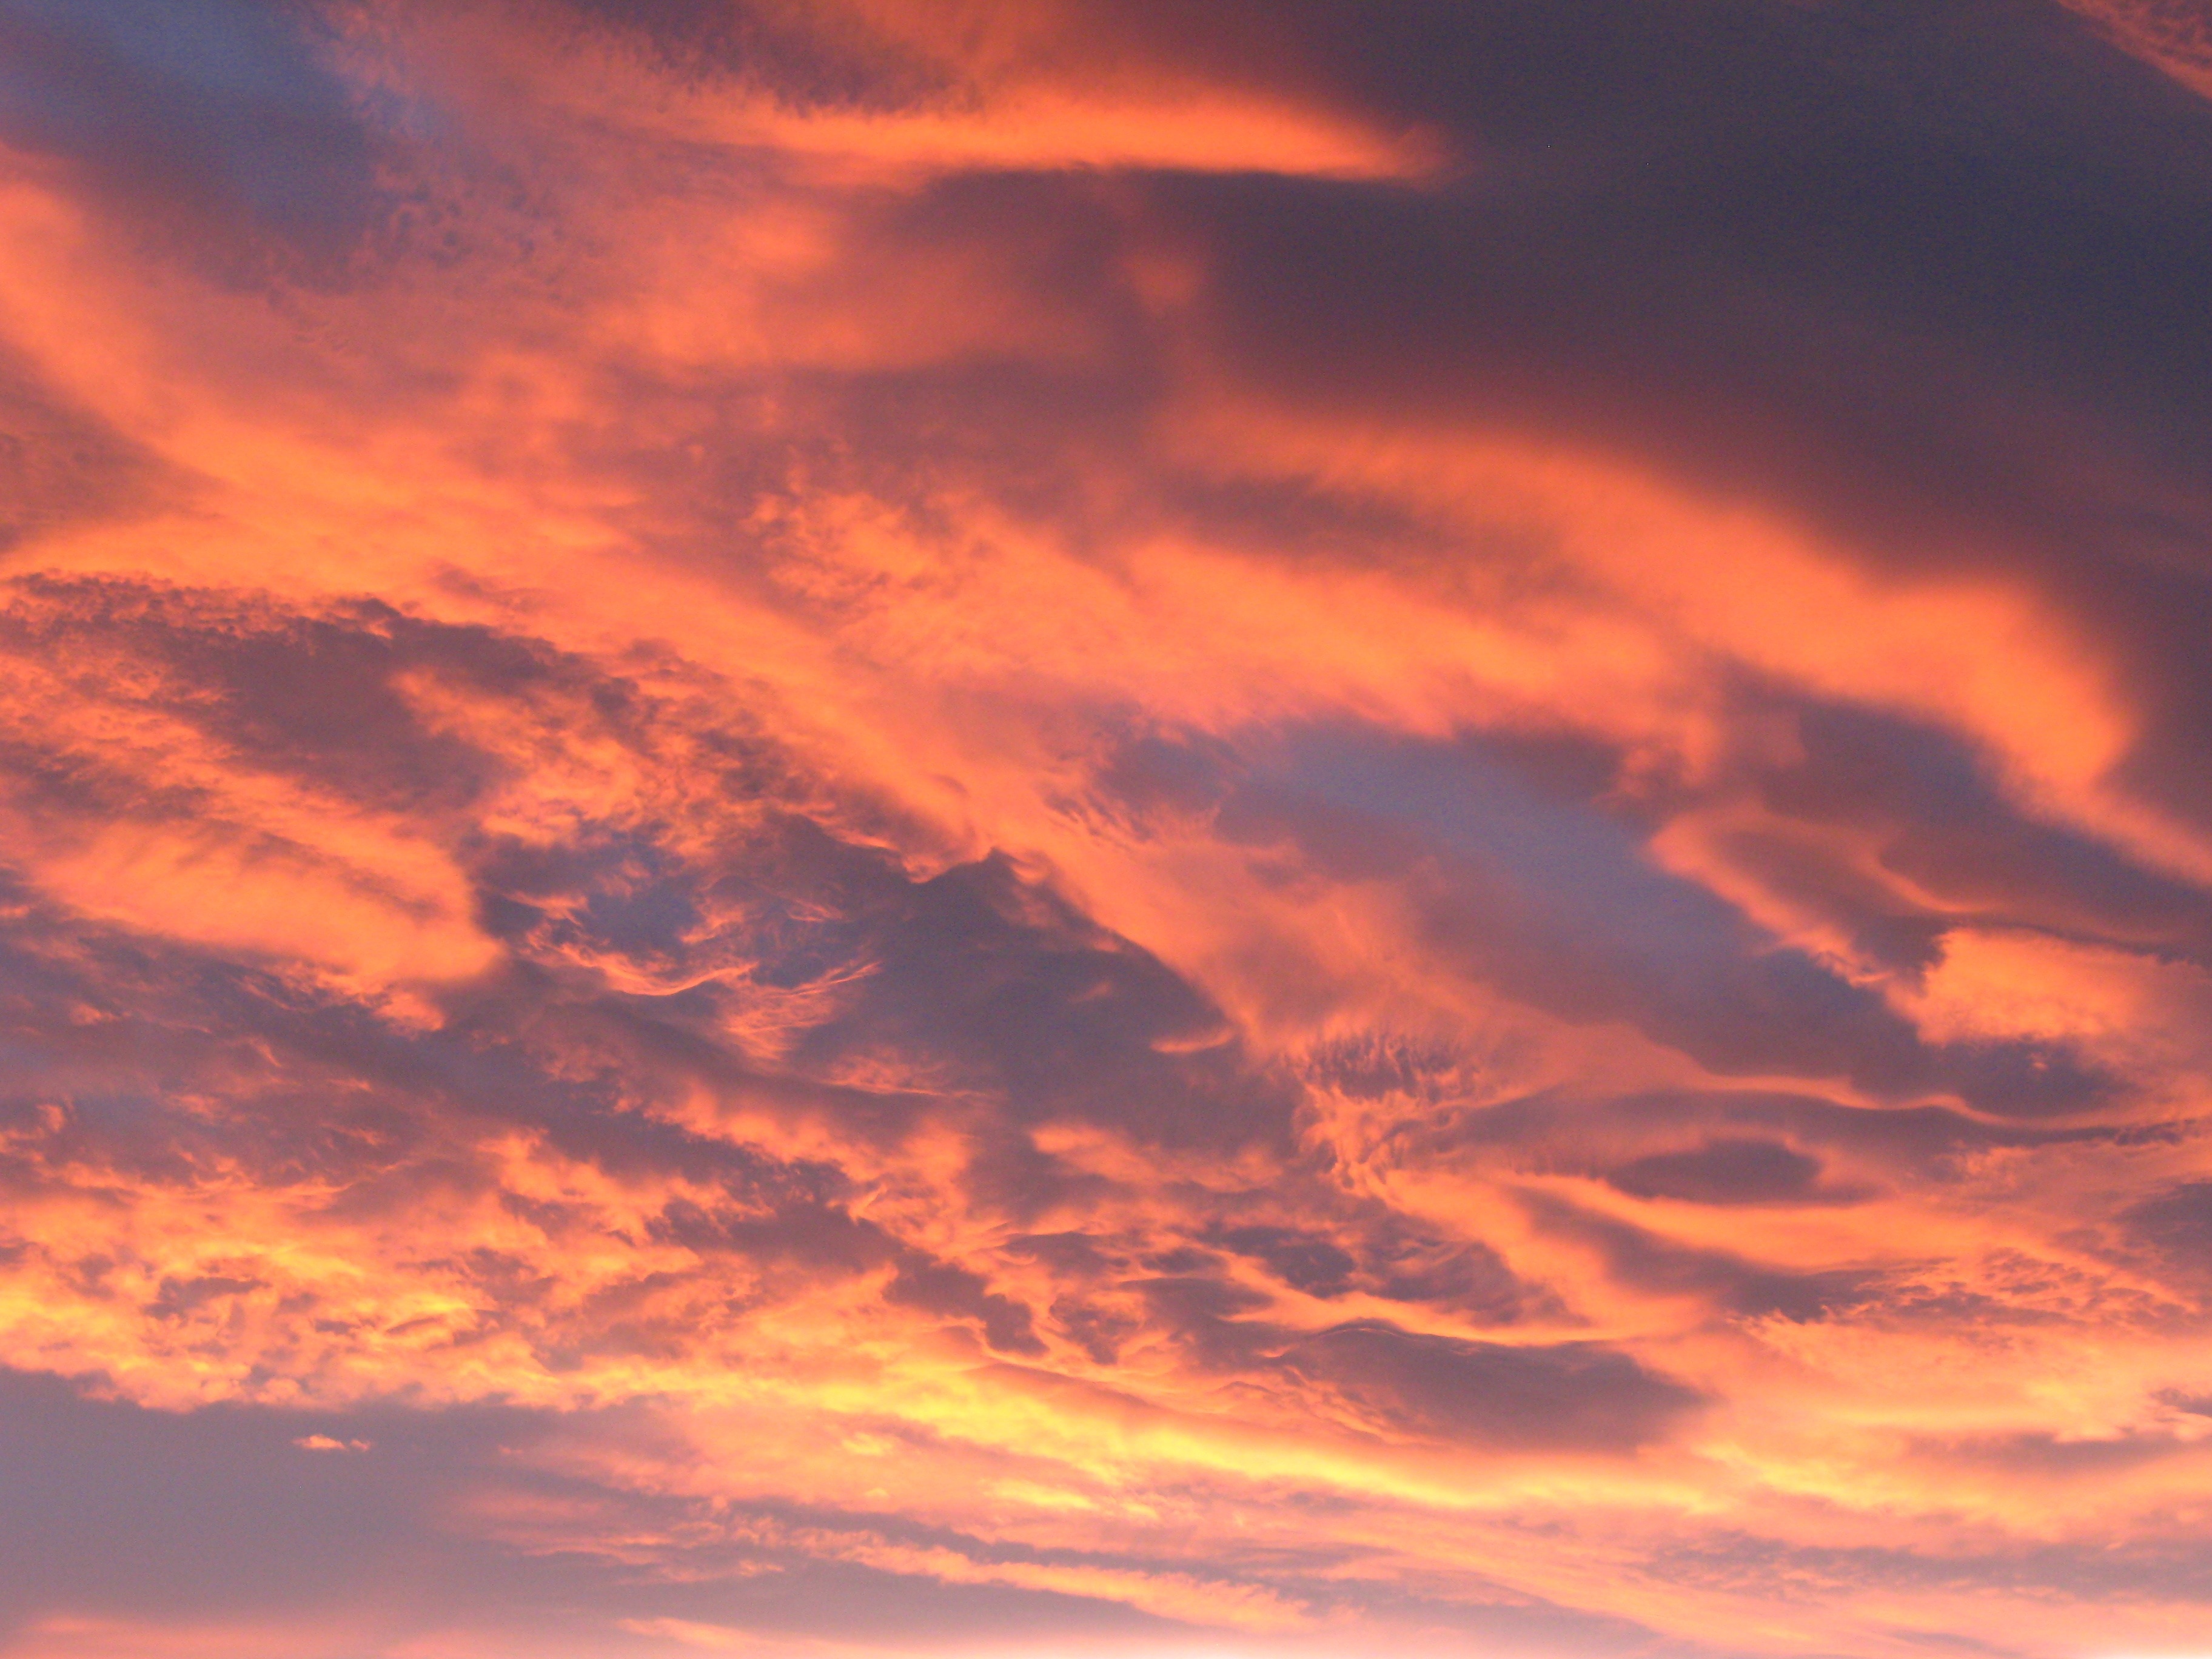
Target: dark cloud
164,1515
1721,1172
1691,192
1721,1281
219,108
1575,1396
769,45
59,463
1555,900
1924,274
223,1513
1005,981
2178,1223
1301,1260
315,697
1939,820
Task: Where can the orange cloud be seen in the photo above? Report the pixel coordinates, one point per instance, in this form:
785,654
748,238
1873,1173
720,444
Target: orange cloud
702,782
2173,36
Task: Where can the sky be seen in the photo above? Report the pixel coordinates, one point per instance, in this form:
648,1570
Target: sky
1105,829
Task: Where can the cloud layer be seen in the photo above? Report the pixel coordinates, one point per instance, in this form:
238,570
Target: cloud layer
1051,827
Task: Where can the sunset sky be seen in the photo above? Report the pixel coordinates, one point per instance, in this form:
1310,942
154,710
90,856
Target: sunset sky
1106,828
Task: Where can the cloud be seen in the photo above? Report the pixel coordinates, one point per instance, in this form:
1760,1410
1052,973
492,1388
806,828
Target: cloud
2171,35
884,90
196,118
1525,1399
827,827
1721,1172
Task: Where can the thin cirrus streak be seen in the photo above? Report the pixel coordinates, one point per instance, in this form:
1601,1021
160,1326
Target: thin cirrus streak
1062,828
